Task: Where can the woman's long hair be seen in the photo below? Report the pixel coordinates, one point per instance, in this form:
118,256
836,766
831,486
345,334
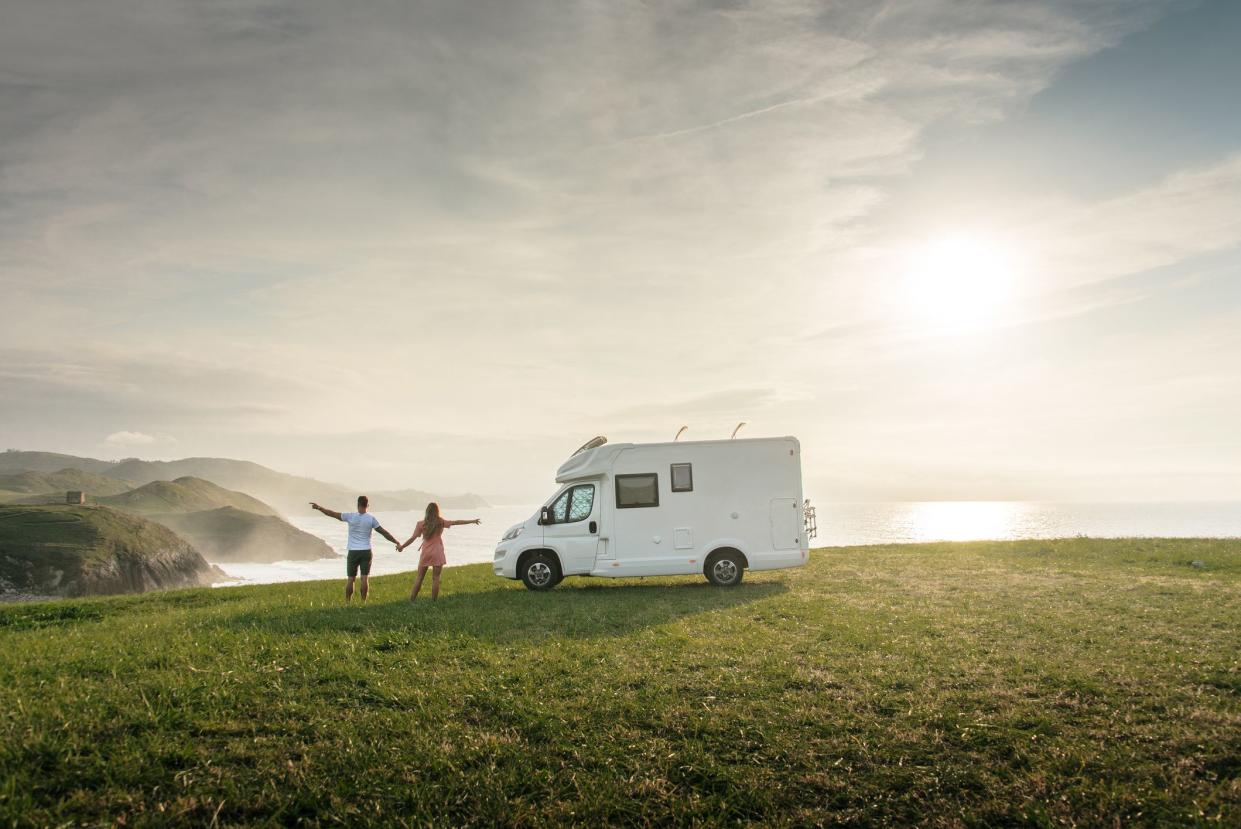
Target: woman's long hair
431,522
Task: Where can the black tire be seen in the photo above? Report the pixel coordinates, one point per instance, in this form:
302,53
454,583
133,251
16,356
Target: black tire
540,572
724,569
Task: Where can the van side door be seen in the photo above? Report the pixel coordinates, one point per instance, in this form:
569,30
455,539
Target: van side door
573,529
645,543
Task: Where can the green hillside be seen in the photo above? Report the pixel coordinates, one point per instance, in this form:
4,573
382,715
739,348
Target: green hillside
1043,683
288,493
183,495
229,534
17,460
45,486
79,551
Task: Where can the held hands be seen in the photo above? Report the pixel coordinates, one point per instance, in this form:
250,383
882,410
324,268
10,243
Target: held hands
400,547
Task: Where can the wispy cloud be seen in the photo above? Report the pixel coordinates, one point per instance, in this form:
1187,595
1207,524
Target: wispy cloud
1189,213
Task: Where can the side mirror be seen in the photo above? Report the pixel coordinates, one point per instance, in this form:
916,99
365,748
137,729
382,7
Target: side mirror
545,516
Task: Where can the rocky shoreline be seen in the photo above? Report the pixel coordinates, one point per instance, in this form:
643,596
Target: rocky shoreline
17,597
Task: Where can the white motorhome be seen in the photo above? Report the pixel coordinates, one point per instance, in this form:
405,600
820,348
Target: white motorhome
715,507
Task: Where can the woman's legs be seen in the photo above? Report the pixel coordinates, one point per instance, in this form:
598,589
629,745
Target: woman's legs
422,572
435,581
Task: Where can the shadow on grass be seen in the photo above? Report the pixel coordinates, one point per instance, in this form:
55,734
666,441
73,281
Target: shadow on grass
503,614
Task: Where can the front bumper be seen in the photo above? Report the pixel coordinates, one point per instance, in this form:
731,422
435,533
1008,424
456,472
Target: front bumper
504,562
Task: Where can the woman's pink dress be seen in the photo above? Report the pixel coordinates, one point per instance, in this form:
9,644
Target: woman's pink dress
432,548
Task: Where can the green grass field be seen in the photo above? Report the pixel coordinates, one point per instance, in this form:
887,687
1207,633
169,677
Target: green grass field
1076,682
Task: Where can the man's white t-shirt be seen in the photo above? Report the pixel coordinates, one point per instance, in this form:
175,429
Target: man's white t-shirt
360,526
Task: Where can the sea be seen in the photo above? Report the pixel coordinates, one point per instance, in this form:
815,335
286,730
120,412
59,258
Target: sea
839,525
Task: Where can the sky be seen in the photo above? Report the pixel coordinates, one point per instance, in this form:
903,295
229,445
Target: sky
962,250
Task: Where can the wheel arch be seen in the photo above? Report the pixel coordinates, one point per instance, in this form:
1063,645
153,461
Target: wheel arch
722,547
526,554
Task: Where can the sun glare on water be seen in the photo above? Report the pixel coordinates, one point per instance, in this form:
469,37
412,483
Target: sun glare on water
961,282
961,520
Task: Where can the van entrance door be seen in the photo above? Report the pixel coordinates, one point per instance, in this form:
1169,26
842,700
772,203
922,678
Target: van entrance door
574,528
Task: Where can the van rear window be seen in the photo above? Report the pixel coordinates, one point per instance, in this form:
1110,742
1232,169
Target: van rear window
637,491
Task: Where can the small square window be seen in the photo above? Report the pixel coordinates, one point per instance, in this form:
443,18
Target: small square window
682,477
637,490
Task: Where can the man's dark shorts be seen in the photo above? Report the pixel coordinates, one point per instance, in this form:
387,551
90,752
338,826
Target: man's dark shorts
356,559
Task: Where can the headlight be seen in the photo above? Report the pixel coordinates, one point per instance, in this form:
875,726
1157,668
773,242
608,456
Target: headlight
513,533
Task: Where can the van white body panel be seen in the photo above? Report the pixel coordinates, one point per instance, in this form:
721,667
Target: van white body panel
744,495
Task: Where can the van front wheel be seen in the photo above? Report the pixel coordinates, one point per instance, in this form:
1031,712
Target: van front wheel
540,572
724,569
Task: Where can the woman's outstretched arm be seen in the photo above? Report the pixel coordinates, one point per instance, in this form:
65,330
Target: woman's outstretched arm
463,521
411,539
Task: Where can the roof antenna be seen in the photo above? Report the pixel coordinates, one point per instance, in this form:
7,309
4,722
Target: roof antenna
735,431
680,432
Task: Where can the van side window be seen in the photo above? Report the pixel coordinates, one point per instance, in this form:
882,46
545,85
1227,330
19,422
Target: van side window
581,502
682,477
637,490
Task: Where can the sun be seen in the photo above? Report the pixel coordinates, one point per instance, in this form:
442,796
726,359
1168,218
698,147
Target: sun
961,282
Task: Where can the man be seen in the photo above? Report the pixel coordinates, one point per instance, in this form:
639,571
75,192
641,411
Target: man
360,525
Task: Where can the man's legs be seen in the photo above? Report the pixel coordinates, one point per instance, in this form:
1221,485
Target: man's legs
422,572
351,573
354,561
435,582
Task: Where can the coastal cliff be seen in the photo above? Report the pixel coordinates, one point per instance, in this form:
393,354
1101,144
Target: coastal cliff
90,551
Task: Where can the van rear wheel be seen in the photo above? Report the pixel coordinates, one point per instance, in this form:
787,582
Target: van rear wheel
540,572
724,569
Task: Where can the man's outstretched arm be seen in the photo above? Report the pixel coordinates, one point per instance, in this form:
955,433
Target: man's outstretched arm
387,535
327,512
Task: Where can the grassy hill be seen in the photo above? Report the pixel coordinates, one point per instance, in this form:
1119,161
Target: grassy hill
29,485
1077,682
183,495
222,524
230,534
18,460
76,551
288,493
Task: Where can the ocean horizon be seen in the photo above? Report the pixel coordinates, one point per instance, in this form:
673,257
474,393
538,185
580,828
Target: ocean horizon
840,524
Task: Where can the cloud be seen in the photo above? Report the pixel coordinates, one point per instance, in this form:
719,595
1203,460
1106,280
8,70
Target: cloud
233,221
47,392
726,402
1187,214
179,142
126,438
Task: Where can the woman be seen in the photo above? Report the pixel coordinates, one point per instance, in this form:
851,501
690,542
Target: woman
431,530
